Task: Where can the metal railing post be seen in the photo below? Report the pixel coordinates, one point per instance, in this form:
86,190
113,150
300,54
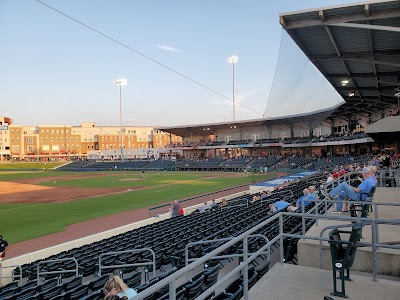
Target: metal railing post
172,290
374,261
303,219
281,254
376,215
246,269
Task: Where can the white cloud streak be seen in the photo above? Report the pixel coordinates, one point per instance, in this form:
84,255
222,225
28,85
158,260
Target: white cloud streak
168,48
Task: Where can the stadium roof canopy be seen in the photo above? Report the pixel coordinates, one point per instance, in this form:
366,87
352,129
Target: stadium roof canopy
356,47
311,119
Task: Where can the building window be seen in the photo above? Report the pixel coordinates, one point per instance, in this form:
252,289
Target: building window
45,147
55,148
29,140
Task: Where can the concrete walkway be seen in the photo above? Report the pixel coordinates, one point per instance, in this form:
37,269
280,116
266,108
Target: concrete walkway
298,282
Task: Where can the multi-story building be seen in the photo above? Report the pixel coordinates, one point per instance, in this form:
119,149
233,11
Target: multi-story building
5,137
56,141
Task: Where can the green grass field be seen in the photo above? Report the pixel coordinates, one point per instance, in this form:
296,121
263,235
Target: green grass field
22,222
28,166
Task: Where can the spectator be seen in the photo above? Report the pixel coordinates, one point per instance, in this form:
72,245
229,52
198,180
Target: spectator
344,191
224,202
330,178
278,206
204,207
115,286
308,194
213,204
3,248
175,209
181,211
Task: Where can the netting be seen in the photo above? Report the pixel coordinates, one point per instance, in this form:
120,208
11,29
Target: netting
298,86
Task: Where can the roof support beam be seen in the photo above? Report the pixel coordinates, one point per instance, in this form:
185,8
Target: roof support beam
333,41
364,75
368,26
367,88
338,19
359,54
378,62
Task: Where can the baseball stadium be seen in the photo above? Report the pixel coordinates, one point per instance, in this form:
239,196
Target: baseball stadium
299,205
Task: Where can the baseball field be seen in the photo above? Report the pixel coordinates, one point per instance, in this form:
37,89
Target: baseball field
34,204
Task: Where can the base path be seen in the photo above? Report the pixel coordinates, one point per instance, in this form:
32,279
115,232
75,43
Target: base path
90,227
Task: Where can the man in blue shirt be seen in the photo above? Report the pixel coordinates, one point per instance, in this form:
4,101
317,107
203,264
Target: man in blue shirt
309,194
346,191
279,205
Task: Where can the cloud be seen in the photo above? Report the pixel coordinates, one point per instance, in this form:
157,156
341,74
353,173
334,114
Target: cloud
168,48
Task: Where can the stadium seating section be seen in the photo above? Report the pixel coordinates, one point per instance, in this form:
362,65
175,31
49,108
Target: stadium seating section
167,240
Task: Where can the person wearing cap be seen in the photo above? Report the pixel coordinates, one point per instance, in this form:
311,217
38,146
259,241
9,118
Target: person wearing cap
346,191
309,194
3,248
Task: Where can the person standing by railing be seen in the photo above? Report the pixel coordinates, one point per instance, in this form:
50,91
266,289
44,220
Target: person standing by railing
3,248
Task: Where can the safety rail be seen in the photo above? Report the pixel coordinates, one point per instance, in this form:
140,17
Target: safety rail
153,263
76,270
13,276
388,177
187,259
171,280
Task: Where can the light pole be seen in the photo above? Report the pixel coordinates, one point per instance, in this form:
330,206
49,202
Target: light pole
233,60
121,82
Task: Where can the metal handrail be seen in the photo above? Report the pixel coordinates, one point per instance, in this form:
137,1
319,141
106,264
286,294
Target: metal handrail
76,271
171,280
153,263
187,259
7,267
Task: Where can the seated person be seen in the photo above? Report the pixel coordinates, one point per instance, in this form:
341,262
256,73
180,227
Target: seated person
213,204
224,202
309,194
345,191
279,205
115,286
204,207
256,197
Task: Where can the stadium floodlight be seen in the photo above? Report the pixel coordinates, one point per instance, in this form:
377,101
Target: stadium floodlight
233,60
121,82
344,82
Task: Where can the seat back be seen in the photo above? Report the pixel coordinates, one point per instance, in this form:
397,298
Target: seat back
134,280
211,276
73,283
337,249
193,289
355,238
50,293
78,292
361,210
98,282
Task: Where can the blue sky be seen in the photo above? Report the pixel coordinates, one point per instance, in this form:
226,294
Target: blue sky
55,71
